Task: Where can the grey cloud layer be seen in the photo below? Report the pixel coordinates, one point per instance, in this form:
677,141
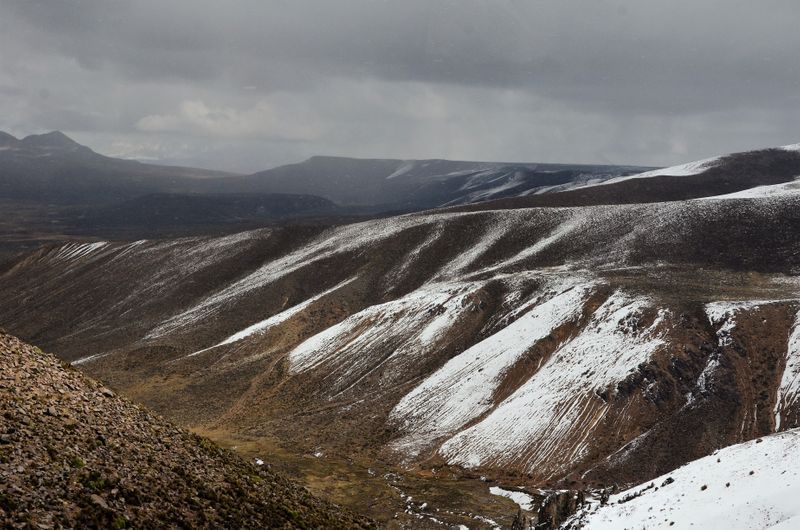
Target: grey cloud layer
578,80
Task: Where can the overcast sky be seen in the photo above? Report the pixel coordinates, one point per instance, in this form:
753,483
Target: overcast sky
249,84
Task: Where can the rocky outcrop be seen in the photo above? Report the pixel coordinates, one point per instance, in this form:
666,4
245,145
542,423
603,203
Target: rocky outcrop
522,521
557,508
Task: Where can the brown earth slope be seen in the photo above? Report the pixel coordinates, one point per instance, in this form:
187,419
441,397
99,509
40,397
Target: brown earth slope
562,347
356,328
74,455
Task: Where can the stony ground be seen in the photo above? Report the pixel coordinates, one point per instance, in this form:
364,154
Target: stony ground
75,455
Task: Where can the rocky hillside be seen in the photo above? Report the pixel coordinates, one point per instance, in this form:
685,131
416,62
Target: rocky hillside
75,455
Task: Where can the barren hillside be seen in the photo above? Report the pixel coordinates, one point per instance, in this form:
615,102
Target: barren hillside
75,455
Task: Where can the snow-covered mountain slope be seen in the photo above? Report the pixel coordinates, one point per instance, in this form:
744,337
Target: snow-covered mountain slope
682,170
719,176
774,190
530,427
688,169
745,486
454,395
580,345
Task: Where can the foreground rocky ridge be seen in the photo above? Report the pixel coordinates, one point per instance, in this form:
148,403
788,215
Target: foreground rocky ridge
74,455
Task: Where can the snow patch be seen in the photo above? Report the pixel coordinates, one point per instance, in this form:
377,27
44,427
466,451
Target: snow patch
723,314
524,500
745,486
703,381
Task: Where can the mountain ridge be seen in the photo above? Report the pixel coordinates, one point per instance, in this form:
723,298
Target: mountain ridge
55,139
511,262
549,347
420,184
427,183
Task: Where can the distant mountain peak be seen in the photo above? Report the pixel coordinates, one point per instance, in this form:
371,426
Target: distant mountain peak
7,139
51,139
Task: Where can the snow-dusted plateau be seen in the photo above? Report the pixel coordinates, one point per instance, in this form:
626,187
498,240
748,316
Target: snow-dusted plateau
616,353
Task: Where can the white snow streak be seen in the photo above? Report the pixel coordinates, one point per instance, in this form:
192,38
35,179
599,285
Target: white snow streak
74,251
683,170
264,325
89,358
402,170
332,242
558,403
524,500
784,189
405,328
463,388
500,227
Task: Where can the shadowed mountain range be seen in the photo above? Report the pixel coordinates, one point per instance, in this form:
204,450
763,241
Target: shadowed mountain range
53,168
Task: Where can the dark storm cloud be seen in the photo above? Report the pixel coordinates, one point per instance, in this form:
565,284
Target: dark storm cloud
626,81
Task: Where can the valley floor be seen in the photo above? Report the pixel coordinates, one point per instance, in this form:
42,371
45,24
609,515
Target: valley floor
400,498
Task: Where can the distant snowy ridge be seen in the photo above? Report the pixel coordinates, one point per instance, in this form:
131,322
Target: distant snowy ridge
690,169
760,192
682,170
